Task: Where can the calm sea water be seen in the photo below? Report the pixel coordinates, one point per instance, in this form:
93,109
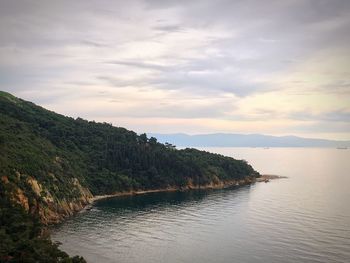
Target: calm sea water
305,218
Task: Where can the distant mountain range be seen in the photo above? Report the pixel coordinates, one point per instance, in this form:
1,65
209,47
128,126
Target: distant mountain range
245,140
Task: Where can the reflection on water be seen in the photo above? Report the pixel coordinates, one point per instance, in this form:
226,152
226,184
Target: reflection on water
305,218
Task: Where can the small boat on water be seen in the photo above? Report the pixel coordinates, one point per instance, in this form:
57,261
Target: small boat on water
342,148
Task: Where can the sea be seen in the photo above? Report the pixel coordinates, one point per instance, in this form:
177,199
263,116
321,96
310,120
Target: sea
302,218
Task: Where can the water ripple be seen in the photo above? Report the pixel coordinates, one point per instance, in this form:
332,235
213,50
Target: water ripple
299,219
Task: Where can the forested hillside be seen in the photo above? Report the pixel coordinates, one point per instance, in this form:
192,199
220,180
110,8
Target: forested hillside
51,165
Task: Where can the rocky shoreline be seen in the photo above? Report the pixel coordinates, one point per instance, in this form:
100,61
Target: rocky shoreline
218,185
53,211
267,177
189,187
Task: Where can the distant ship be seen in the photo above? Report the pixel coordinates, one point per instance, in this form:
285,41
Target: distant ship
342,148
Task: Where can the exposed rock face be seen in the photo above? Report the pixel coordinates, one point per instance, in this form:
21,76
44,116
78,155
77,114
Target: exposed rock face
42,202
53,210
36,187
217,184
4,179
17,195
21,199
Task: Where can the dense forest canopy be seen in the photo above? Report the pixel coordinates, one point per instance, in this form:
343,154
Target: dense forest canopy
47,158
105,158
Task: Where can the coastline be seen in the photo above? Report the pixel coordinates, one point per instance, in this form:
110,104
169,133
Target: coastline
133,192
189,187
267,177
220,185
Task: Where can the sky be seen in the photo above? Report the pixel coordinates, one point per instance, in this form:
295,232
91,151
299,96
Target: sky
254,66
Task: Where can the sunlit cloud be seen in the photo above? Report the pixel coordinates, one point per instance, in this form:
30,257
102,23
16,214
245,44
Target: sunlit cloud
281,67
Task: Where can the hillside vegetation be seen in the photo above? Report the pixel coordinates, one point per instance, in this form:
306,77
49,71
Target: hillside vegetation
52,165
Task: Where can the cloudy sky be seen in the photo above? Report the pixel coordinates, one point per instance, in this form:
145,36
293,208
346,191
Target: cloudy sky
272,67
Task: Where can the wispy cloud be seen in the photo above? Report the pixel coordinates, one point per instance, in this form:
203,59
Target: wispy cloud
193,66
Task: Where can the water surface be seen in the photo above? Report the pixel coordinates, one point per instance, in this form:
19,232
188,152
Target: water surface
305,218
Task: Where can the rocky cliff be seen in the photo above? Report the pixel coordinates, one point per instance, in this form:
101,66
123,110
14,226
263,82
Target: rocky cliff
53,165
37,199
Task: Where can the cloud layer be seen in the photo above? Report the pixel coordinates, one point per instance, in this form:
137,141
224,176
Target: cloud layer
277,67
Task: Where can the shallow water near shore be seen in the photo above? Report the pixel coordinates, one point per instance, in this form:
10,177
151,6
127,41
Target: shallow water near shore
304,218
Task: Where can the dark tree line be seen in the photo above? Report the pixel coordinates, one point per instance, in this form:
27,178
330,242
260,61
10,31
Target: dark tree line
53,149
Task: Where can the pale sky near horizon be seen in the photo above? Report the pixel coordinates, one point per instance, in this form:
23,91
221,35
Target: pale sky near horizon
271,67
